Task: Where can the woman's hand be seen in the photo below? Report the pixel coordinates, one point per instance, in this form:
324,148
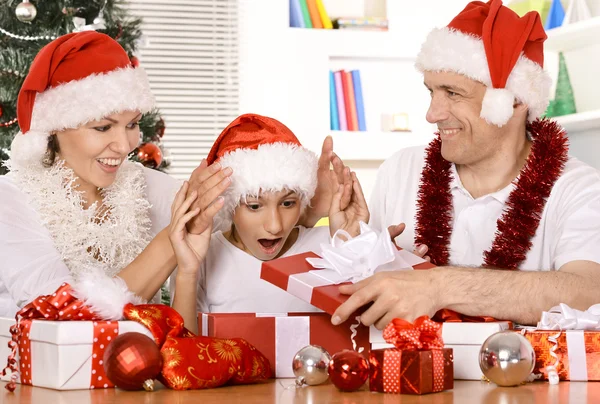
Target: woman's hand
348,206
190,249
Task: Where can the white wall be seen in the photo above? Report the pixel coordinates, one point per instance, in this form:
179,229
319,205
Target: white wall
279,79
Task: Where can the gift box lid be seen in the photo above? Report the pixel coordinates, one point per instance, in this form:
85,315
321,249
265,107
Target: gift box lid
456,333
67,332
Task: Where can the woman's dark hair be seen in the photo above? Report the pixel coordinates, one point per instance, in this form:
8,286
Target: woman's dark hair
52,150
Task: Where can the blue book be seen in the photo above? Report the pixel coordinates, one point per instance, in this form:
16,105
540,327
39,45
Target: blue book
296,19
333,107
358,99
556,15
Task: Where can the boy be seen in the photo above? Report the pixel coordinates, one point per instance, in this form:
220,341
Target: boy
273,180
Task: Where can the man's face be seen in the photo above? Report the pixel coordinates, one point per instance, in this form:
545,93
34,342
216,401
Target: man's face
455,108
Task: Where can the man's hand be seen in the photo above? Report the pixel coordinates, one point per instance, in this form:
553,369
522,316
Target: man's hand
327,180
209,182
400,294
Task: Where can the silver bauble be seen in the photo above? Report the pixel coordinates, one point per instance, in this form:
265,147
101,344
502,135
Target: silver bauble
25,11
310,365
507,358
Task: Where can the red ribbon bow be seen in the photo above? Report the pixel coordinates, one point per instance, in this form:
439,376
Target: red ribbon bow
423,335
60,306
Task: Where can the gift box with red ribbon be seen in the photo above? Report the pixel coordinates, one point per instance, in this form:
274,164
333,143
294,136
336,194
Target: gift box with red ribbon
465,339
279,336
296,276
63,355
419,363
574,353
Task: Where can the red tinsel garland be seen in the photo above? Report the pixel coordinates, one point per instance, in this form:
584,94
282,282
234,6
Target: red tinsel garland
524,207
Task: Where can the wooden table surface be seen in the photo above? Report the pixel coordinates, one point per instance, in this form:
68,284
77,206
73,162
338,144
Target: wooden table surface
283,391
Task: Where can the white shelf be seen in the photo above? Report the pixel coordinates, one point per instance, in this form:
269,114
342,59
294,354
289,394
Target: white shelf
341,43
580,122
573,36
373,145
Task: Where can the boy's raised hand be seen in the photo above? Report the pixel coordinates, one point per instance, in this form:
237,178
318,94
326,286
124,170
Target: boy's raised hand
348,206
190,249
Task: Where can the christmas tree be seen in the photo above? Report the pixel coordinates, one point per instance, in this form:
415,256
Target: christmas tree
564,100
25,27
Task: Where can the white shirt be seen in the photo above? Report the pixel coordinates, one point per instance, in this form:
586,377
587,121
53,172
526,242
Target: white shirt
30,264
569,229
229,278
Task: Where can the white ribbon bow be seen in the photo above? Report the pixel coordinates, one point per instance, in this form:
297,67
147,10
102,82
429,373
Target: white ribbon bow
358,258
562,317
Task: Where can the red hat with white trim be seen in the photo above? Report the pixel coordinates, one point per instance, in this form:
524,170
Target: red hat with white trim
490,43
265,155
75,79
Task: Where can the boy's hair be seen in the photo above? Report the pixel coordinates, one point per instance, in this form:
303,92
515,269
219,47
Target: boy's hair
265,156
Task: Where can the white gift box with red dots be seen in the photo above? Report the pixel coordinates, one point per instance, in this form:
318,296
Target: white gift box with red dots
61,351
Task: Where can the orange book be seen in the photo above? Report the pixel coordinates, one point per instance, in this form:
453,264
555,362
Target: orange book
313,10
351,115
324,17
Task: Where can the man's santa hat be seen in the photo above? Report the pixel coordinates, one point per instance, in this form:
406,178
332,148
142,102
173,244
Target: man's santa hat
265,156
490,43
75,79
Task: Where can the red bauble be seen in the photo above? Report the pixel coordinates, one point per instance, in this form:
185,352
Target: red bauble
132,361
1,110
135,62
150,155
348,370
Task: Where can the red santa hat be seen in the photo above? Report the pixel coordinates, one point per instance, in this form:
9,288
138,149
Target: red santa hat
75,79
490,43
265,156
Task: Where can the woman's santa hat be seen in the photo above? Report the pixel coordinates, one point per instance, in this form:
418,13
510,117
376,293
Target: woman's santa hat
264,156
490,43
75,79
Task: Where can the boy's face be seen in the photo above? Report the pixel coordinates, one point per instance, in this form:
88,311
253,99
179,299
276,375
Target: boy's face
263,224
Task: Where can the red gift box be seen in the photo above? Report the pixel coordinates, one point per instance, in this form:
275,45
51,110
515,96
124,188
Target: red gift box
411,372
280,336
293,274
418,363
578,353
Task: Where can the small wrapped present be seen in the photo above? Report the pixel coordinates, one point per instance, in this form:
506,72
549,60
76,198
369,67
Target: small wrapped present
315,279
465,339
567,341
279,336
64,355
419,363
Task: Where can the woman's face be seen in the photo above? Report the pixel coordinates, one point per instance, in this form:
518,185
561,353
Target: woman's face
96,150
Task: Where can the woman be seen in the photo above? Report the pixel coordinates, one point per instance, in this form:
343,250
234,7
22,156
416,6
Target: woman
73,206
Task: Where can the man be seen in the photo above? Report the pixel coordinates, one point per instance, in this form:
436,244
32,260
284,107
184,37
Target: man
495,191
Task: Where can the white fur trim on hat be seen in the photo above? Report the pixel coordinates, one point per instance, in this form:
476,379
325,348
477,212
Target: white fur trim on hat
450,50
30,148
75,103
105,295
271,167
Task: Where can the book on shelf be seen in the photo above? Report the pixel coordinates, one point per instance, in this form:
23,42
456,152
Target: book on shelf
346,109
341,104
360,106
367,23
296,18
333,107
309,14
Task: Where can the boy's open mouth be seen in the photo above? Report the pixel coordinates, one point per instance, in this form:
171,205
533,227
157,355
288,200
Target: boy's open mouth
269,245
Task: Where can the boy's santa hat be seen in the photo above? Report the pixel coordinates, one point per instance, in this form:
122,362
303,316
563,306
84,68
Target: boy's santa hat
490,43
75,79
265,156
